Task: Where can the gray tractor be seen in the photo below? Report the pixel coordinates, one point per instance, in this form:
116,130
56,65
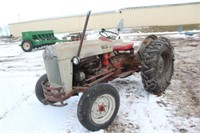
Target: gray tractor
86,66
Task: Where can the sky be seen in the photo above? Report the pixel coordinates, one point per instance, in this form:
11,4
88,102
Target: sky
14,11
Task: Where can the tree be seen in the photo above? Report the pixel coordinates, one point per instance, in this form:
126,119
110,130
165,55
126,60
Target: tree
1,31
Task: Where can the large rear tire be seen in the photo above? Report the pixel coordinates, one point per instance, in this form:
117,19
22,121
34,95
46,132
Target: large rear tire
157,59
98,107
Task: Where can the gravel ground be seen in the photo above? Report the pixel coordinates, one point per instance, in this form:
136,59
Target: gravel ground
184,91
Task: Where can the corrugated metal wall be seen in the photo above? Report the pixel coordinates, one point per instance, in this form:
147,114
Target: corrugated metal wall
146,16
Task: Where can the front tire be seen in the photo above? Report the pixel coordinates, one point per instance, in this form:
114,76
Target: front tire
157,61
39,90
27,46
98,107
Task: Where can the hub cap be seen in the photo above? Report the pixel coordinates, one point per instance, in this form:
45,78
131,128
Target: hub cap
26,46
103,109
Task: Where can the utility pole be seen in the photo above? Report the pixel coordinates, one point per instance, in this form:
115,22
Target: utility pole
18,15
6,30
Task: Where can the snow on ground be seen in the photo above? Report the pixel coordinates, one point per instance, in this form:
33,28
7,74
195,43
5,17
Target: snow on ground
140,112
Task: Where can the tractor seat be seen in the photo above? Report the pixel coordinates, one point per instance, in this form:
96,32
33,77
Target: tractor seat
123,47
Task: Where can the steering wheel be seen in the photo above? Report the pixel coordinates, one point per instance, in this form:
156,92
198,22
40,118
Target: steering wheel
104,32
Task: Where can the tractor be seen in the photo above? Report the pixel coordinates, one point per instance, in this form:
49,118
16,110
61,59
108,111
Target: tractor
86,67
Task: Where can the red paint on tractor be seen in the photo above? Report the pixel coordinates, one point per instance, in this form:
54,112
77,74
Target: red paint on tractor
123,47
105,59
101,107
104,39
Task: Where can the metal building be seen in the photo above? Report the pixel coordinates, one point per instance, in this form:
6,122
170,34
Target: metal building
163,15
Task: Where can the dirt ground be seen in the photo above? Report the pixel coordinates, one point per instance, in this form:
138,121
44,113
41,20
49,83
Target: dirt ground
182,98
184,91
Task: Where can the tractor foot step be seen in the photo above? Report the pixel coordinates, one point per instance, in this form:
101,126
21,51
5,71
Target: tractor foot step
126,74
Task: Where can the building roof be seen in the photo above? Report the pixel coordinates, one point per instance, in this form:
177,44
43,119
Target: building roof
108,12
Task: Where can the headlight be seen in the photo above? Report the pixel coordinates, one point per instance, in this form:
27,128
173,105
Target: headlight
75,60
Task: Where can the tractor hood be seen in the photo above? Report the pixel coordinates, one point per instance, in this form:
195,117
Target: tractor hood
89,48
57,59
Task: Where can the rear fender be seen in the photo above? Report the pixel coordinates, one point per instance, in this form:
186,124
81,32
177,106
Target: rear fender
147,41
